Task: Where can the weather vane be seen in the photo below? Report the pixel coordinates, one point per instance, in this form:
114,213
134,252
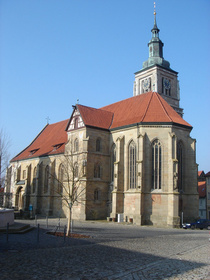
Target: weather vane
154,9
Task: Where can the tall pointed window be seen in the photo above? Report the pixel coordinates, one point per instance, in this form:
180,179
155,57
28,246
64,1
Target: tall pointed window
98,145
113,160
97,170
132,165
60,179
156,164
34,180
76,170
46,179
76,145
180,165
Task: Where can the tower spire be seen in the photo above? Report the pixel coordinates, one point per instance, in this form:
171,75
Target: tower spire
155,30
155,47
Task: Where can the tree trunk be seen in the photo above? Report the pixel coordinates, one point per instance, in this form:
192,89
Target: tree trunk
69,223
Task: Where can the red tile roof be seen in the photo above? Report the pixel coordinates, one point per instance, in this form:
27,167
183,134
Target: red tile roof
145,108
199,173
95,117
51,140
202,189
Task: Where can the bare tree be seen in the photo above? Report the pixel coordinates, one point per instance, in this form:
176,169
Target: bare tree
4,156
70,182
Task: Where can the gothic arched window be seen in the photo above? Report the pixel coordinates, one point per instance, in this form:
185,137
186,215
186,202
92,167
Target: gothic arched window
180,165
132,165
97,170
156,164
76,170
113,160
97,195
46,179
34,180
76,145
98,144
60,178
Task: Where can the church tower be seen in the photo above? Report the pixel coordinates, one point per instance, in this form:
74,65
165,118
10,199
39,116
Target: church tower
156,74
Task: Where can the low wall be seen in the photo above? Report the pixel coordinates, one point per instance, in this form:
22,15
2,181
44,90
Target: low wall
6,216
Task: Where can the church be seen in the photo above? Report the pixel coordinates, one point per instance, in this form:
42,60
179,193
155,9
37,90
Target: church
136,158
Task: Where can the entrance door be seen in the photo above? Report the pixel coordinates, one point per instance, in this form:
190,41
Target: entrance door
19,198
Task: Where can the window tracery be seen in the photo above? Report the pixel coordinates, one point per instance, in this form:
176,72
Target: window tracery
156,164
132,165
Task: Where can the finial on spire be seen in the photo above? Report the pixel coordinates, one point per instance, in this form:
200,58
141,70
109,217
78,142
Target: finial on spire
155,23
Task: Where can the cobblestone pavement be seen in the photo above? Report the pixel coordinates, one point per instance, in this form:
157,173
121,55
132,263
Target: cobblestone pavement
115,251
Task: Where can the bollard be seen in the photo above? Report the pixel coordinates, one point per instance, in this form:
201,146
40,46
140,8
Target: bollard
47,221
35,220
59,223
7,232
38,233
64,234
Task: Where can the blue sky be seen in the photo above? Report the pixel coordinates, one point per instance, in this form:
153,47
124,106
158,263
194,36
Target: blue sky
53,52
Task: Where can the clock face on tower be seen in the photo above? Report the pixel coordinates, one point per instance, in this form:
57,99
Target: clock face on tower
146,84
166,84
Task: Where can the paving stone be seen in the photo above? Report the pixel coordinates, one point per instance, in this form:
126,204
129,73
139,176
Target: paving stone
115,252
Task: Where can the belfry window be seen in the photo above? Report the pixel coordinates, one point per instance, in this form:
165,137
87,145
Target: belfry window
132,165
180,165
156,164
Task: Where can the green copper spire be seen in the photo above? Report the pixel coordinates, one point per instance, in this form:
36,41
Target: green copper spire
155,48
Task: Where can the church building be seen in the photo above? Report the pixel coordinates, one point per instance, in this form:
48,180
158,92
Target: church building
136,157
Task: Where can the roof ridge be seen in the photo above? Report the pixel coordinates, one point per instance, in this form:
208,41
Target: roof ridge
96,108
158,96
147,108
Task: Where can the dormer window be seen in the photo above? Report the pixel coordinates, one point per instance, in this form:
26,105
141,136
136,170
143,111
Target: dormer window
33,152
57,146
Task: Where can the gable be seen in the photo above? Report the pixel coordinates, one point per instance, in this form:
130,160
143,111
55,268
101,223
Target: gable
75,121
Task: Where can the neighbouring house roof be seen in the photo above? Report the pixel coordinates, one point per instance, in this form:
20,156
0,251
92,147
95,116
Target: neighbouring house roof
51,140
207,174
201,176
199,173
147,108
202,189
